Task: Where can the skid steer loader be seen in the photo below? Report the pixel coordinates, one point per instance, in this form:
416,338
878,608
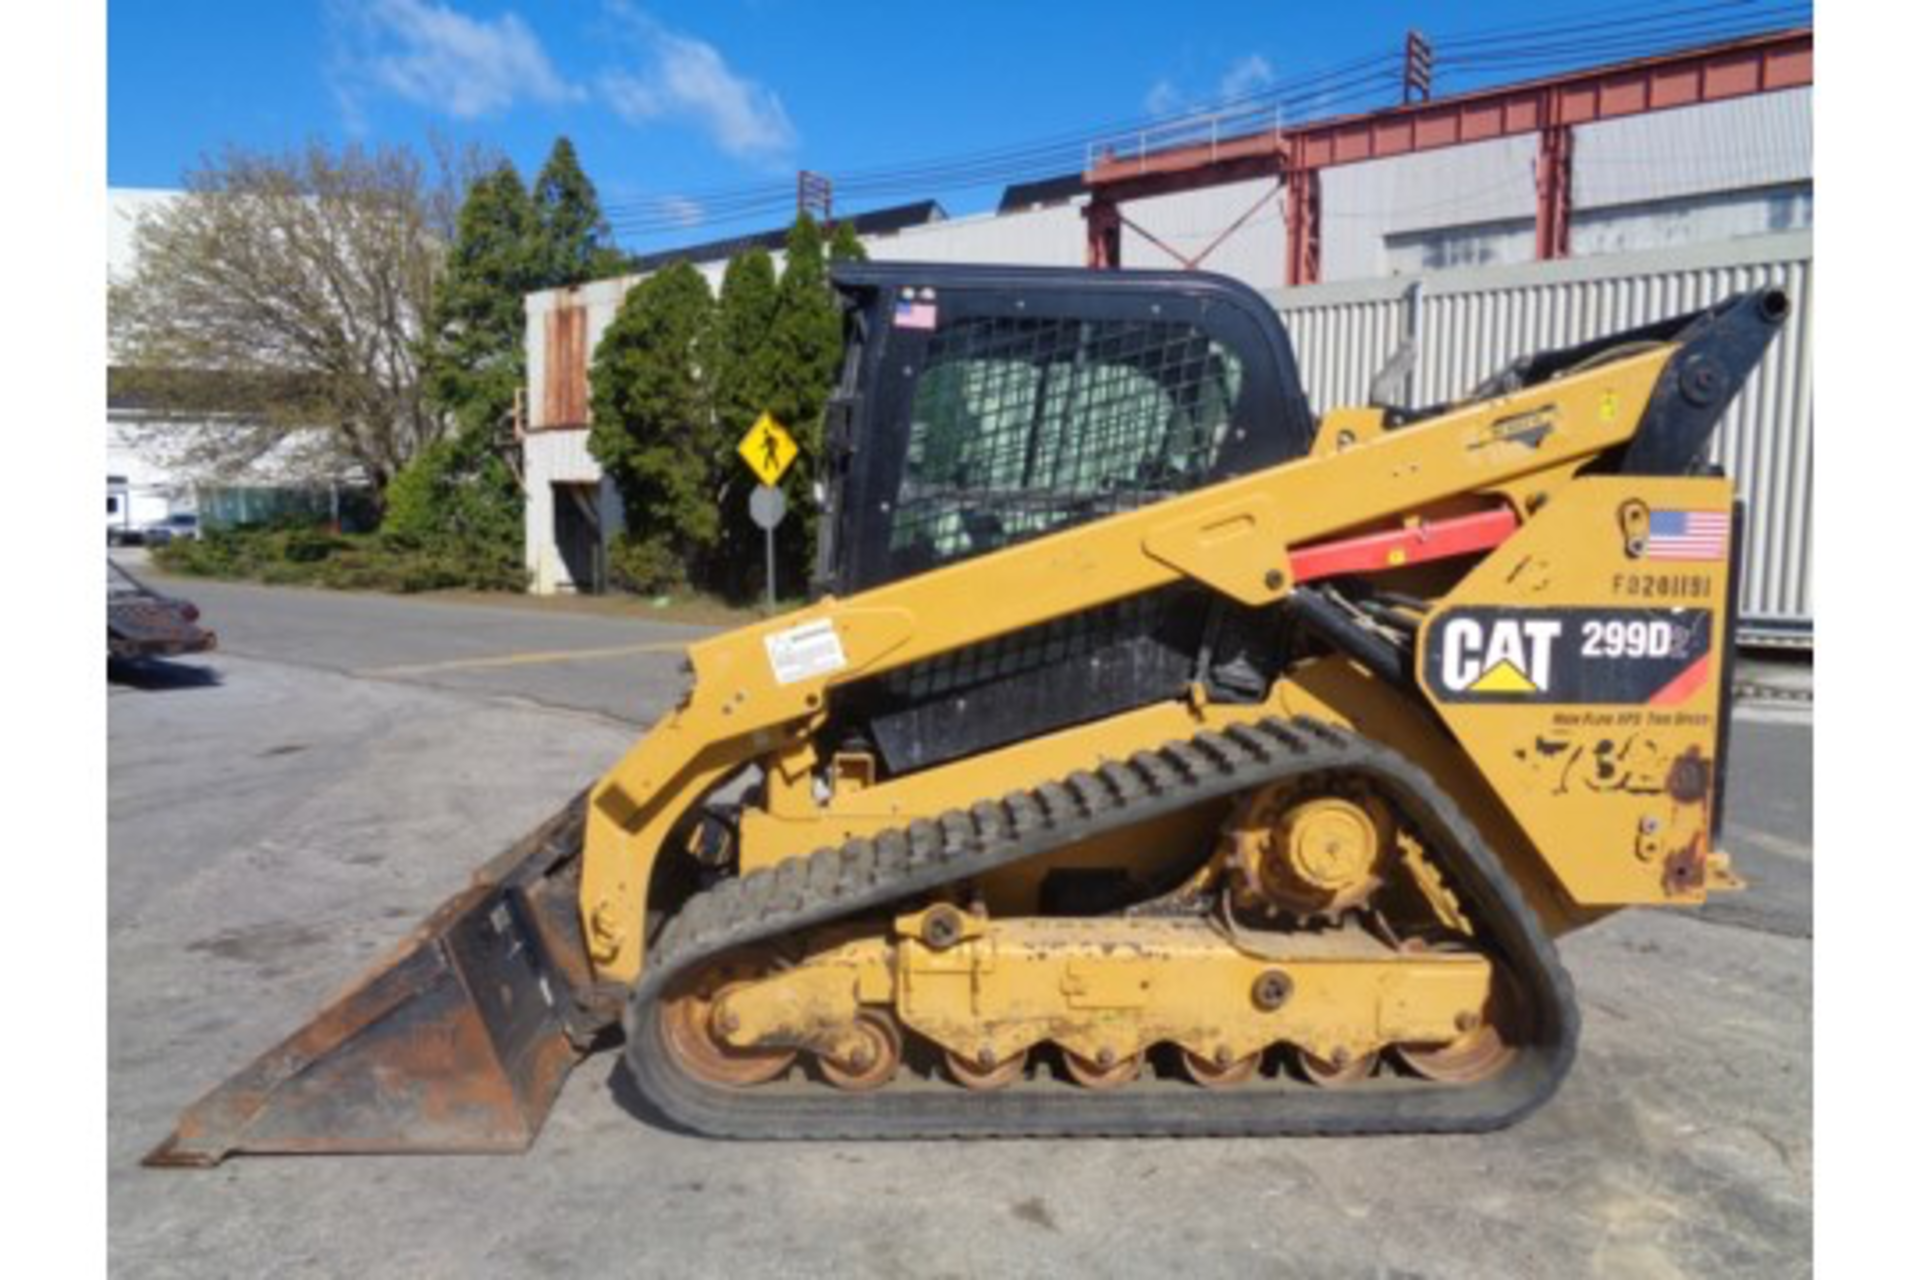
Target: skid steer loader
1155,759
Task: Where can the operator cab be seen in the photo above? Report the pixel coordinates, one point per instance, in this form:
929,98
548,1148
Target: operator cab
978,407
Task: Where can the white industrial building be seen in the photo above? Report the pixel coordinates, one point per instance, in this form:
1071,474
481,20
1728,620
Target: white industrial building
141,487
148,475
1666,207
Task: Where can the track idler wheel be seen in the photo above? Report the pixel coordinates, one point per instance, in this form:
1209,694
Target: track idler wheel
687,1025
1112,1073
1341,1070
875,1058
1481,1051
1216,1073
993,1074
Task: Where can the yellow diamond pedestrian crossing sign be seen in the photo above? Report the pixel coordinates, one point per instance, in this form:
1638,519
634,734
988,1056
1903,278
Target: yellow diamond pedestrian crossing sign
768,449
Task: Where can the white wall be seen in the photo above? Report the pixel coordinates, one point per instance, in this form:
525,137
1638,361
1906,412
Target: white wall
125,206
1757,141
560,457
153,488
1054,236
1363,204
1693,219
1190,221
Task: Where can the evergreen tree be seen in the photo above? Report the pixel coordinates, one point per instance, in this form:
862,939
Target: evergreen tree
458,500
476,349
742,358
459,496
742,382
844,245
578,244
653,429
804,351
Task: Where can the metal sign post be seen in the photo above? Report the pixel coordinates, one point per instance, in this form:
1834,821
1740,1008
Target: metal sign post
768,450
768,506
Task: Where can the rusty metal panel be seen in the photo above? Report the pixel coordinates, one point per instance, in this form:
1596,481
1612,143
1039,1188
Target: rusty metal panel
458,1041
1474,321
563,399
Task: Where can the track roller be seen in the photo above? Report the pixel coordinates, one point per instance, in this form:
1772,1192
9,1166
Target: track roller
989,1074
1114,1073
876,1059
1219,1071
1342,1070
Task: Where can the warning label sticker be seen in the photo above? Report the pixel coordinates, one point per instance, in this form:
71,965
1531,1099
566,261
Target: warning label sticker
1576,655
805,652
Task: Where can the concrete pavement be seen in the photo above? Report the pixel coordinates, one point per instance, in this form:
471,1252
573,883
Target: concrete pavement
279,822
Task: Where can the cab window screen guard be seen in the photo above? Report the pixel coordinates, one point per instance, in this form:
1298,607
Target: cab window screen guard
1022,425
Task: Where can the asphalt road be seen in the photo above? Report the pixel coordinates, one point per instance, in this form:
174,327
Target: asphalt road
281,813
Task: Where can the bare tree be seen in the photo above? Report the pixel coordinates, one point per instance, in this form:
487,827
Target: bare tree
279,304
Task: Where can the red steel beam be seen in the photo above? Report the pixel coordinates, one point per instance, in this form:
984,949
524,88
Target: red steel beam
1712,73
1103,233
1553,185
1549,107
1303,226
1263,159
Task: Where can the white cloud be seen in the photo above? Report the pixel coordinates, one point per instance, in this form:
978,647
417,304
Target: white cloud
686,78
1249,75
440,58
683,211
1164,99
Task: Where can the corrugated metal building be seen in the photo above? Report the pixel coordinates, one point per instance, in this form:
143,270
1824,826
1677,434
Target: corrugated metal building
1467,323
1670,210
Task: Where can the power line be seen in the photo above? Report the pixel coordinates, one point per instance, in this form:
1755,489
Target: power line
1616,19
1061,151
668,214
1462,57
1586,50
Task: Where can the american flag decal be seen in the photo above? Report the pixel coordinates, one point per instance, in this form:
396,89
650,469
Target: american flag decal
1688,535
914,315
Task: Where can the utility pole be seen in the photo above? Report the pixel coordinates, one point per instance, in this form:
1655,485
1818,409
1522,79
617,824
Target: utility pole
1416,71
814,196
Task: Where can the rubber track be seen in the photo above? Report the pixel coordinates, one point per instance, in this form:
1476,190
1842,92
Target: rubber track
896,865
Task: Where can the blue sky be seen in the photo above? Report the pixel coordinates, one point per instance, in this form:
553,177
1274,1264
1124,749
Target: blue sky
680,104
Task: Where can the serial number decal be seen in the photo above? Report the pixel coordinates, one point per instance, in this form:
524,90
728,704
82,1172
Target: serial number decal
1663,586
1620,656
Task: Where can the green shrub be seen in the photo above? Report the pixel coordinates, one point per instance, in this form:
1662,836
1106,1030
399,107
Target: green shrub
217,554
457,495
310,546
308,556
647,566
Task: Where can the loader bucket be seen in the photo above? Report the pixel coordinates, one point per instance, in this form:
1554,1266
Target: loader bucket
458,1042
